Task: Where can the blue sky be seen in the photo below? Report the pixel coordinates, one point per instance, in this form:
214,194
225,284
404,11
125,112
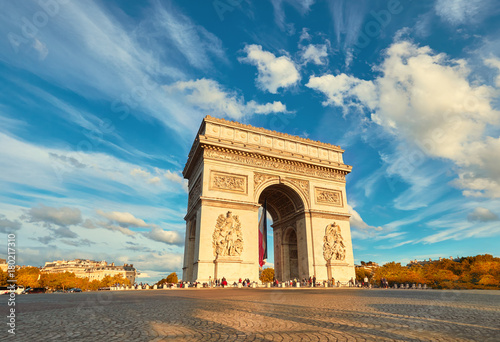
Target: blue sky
100,102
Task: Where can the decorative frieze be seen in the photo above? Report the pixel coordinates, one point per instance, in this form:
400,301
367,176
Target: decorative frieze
254,159
333,243
227,236
222,181
329,197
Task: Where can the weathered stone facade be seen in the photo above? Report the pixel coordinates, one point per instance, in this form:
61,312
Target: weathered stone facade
231,169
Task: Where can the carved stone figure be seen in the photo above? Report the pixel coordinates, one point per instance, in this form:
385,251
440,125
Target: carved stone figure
227,236
333,243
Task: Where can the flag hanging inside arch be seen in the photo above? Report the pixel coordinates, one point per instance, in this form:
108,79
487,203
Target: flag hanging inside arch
263,235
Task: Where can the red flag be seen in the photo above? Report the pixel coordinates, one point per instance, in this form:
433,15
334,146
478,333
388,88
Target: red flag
263,235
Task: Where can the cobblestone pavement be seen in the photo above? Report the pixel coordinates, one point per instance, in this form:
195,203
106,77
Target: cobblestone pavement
258,315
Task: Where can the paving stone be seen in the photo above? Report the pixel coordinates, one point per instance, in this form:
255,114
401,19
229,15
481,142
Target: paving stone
259,315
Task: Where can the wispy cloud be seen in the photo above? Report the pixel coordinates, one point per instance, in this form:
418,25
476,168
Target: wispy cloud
302,6
193,41
456,12
348,17
103,59
64,171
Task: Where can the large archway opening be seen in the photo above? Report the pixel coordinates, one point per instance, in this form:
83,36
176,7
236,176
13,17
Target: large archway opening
286,209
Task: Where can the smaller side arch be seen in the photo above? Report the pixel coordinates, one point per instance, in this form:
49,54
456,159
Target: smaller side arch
290,250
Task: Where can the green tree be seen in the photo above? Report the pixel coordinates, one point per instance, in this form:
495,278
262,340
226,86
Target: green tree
267,275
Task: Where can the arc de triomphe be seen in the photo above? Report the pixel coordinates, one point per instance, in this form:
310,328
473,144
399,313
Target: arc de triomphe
232,168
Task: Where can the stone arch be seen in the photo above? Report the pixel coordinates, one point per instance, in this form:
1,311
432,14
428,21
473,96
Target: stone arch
231,168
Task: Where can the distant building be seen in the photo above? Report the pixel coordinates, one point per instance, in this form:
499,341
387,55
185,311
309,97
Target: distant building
368,265
94,270
430,261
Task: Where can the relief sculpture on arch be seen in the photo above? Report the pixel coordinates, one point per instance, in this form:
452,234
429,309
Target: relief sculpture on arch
227,236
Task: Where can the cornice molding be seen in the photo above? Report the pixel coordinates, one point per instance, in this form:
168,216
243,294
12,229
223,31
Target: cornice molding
273,163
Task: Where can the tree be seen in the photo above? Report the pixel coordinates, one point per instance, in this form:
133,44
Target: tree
361,273
107,281
170,279
28,276
59,281
267,275
120,280
3,278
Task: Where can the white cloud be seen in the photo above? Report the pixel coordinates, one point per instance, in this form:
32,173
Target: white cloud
62,170
161,235
304,35
274,107
357,222
482,215
116,228
316,54
453,230
273,72
209,96
176,178
150,179
458,12
123,219
161,262
494,63
154,180
62,216
343,90
426,99
140,172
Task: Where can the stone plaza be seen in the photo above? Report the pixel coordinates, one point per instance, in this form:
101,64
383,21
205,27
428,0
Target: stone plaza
231,314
